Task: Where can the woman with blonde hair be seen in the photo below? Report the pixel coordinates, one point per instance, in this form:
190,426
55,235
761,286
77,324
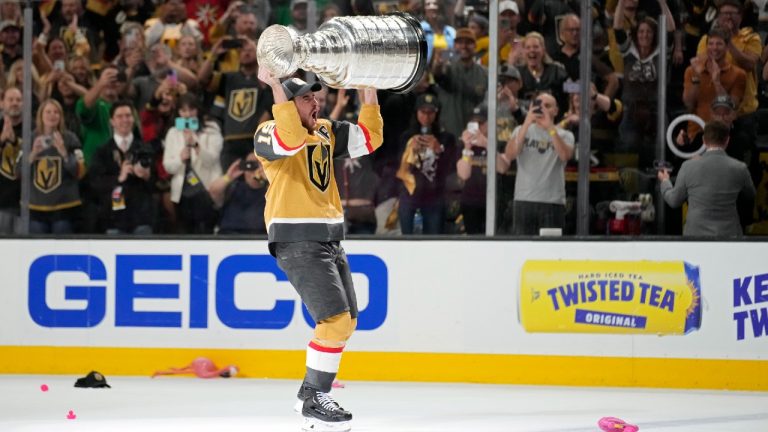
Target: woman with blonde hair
16,79
57,167
188,54
540,73
80,68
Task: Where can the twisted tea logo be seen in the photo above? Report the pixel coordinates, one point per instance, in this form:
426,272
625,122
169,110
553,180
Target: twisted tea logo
48,174
242,103
319,164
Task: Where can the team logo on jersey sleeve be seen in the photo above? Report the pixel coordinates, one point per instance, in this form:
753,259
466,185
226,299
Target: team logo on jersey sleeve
48,174
242,103
319,164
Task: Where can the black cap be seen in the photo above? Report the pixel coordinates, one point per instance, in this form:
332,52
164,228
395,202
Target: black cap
92,380
480,112
296,87
427,100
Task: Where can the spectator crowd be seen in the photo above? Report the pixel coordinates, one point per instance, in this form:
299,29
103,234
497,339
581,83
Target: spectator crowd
144,113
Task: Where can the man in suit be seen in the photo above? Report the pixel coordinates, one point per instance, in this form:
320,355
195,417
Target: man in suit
120,177
713,185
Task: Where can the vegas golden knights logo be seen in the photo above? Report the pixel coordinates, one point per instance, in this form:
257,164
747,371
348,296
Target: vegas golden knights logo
242,103
48,174
319,164
8,165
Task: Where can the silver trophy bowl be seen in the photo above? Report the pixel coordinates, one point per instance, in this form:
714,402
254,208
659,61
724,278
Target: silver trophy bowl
383,52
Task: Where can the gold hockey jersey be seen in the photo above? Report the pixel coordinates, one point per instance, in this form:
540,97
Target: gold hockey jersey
302,199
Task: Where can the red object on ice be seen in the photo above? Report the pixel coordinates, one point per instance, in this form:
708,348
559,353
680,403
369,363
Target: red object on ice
71,415
613,424
44,388
338,384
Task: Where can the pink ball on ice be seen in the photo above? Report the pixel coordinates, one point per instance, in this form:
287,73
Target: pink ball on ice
44,388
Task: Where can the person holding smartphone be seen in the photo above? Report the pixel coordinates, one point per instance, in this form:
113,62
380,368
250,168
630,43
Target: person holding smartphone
192,143
471,168
428,158
541,149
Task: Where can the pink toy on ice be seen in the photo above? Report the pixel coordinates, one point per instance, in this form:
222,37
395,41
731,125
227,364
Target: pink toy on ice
202,368
613,424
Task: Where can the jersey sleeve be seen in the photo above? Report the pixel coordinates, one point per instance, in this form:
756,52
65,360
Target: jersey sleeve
355,140
282,137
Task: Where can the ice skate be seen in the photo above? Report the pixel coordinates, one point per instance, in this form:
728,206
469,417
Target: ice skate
613,424
322,413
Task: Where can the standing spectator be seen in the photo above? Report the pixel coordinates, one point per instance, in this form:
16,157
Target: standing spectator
510,109
479,26
605,115
439,35
545,16
187,54
161,68
509,41
570,51
471,168
540,73
10,143
462,83
120,177
240,196
10,36
63,88
194,143
57,167
93,110
712,76
639,96
242,103
713,185
16,79
157,118
80,69
299,16
427,161
244,26
743,49
542,150
172,24
76,30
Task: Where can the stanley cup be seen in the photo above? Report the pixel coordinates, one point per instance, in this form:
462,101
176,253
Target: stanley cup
383,52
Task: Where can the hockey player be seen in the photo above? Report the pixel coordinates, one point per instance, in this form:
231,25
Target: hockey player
305,224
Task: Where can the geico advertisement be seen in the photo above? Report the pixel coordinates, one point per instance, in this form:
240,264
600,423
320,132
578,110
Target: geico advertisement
640,297
186,291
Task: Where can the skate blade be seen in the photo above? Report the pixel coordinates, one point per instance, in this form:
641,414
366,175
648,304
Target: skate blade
315,425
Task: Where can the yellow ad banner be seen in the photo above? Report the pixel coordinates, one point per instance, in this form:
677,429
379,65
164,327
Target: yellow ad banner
626,297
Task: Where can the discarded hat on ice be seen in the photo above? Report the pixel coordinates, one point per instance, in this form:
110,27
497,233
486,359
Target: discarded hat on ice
92,380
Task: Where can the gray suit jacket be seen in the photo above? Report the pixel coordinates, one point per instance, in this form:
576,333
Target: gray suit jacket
711,184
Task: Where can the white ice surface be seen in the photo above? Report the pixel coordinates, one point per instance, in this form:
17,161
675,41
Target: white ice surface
233,405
